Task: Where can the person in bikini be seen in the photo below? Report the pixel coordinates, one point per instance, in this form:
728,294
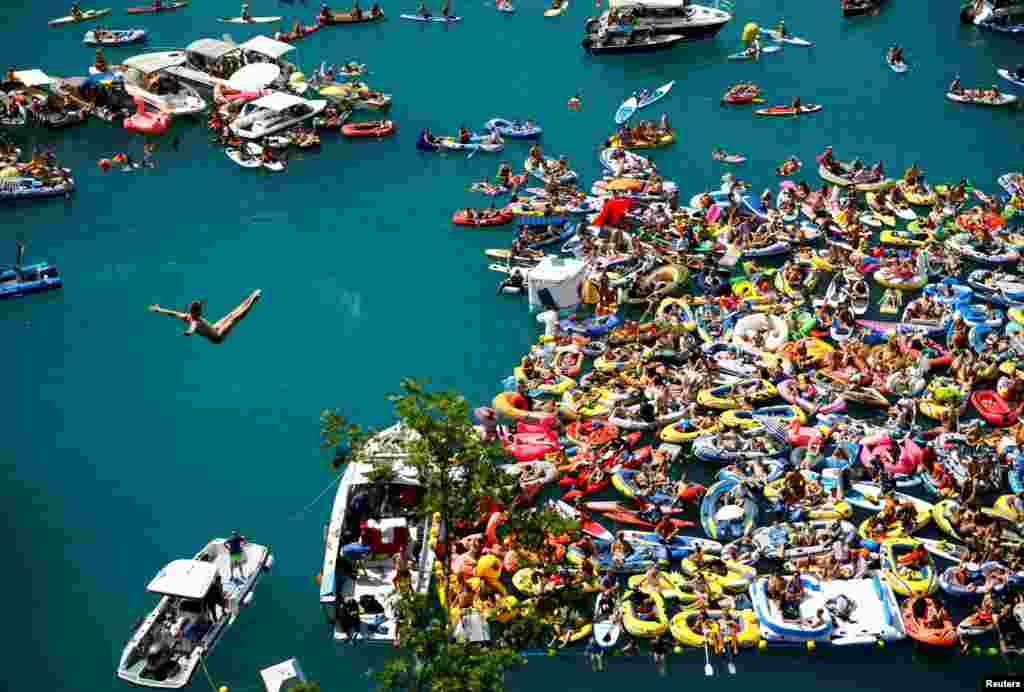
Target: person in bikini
197,324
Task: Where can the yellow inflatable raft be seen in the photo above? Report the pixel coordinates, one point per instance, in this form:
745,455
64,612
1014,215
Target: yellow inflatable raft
749,631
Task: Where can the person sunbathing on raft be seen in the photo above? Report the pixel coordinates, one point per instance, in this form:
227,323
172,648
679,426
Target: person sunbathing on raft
197,324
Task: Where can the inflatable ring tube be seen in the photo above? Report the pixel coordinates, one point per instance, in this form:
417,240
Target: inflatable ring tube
511,405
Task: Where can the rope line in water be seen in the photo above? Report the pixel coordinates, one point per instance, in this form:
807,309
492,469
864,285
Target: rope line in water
305,509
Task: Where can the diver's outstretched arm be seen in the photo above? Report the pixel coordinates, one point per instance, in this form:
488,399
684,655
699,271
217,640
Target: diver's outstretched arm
165,311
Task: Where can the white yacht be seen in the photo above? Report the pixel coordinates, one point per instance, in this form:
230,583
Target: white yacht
374,519
273,113
200,600
145,77
691,21
208,62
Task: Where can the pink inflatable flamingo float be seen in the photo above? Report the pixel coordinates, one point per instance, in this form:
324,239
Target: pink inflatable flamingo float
146,122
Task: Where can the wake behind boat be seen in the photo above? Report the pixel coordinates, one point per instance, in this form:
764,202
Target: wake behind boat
200,599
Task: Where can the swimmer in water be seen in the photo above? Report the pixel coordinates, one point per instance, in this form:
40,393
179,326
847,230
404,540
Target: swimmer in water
197,324
576,103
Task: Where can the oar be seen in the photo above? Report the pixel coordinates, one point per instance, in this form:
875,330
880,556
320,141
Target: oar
708,670
471,152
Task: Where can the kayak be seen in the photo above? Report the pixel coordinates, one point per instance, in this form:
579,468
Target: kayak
752,55
788,110
418,18
250,20
791,40
560,10
626,110
1001,100
84,17
115,37
154,10
1008,76
656,95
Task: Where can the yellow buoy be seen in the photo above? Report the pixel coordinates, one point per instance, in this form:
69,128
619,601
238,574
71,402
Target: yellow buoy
551,652
881,643
223,689
811,645
762,645
677,650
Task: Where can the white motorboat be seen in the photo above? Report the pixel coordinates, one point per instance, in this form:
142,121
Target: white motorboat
145,77
200,600
691,21
371,524
273,113
208,62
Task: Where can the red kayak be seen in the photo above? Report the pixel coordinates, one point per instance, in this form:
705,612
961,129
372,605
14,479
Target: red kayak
788,110
994,408
153,9
499,218
375,128
632,518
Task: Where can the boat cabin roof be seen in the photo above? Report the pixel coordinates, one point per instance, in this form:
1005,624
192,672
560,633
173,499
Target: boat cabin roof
189,579
211,48
267,46
33,78
650,4
282,676
277,101
154,62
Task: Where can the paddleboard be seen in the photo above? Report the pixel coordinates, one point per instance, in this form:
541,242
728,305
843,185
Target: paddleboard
626,110
791,40
236,156
752,56
560,10
443,20
898,68
731,158
656,95
250,20
498,253
153,10
86,16
1005,74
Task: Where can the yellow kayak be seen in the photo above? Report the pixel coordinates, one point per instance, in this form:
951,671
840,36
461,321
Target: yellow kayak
672,586
677,432
901,239
724,397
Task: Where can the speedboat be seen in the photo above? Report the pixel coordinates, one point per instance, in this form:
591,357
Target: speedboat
199,600
1004,16
371,523
23,280
144,77
691,21
273,113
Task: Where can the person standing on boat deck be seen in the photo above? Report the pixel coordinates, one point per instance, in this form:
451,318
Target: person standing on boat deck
197,324
234,545
246,15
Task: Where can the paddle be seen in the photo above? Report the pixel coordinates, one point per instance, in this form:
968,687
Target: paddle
708,670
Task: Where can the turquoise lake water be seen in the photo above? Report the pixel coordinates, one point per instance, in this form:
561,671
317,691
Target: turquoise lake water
128,446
